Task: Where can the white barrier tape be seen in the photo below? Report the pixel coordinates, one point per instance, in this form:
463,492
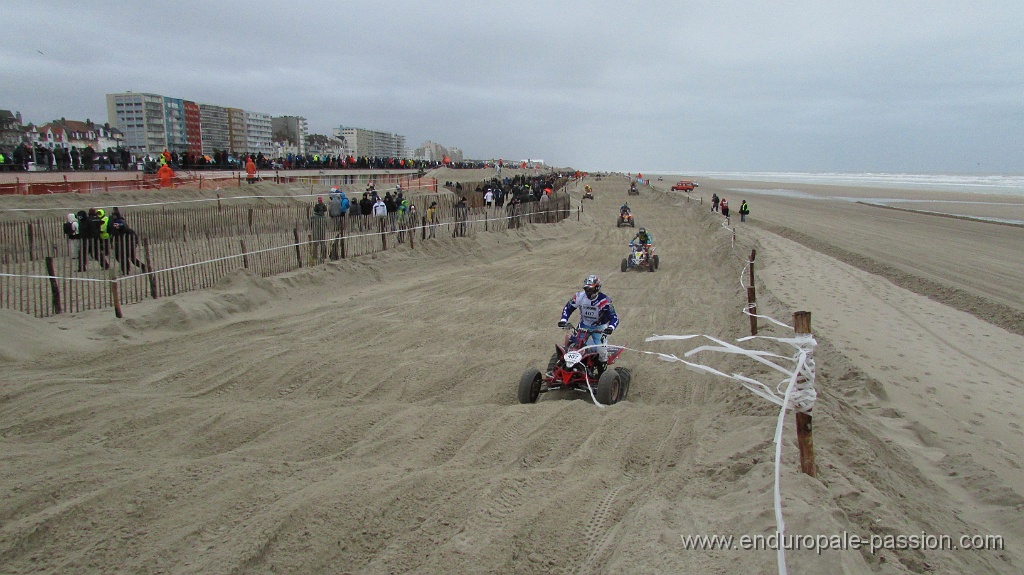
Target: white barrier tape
746,310
55,278
799,395
780,523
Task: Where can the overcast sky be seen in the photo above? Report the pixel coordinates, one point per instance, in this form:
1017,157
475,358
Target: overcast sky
923,86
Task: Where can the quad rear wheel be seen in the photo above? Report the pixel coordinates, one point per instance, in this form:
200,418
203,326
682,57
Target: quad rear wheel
625,377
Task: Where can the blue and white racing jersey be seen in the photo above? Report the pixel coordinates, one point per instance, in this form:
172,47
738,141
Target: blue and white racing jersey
598,311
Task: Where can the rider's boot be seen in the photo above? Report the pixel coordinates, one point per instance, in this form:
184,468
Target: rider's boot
600,366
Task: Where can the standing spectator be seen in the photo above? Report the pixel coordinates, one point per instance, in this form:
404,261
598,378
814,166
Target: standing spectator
365,209
88,157
513,209
334,211
723,206
392,207
409,218
489,198
461,215
714,202
353,206
125,241
366,204
744,210
403,224
98,243
250,170
432,219
545,198
380,212
73,230
165,173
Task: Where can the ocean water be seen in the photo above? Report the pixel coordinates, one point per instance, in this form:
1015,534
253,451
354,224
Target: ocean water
1003,184
992,184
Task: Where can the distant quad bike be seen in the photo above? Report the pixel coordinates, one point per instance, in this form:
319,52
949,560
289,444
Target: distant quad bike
573,369
588,195
625,220
640,257
633,190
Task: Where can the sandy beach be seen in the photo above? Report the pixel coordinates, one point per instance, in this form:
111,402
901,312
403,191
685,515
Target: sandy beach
361,417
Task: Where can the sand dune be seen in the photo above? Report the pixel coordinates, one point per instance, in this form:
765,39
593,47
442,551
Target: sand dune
360,417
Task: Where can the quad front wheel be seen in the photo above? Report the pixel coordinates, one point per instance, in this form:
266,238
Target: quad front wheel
529,386
609,387
625,265
657,264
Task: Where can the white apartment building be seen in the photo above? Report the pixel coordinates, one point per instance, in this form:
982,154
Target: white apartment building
372,143
142,120
259,134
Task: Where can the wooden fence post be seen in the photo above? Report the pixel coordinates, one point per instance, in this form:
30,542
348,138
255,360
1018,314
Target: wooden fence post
31,241
298,248
343,225
115,297
804,435
245,255
752,296
149,269
54,286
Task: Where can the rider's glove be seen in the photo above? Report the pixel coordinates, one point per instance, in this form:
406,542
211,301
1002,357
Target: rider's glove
608,330
562,323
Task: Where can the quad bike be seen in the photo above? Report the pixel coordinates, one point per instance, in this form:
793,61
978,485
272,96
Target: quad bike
634,191
588,195
640,257
573,368
625,220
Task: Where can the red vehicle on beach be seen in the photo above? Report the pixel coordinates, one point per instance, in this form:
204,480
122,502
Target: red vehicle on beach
684,186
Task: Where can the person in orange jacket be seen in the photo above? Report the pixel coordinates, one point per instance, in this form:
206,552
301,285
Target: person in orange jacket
250,170
165,173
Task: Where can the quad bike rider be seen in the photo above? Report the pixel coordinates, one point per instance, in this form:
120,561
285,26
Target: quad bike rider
582,363
588,193
642,252
633,190
625,217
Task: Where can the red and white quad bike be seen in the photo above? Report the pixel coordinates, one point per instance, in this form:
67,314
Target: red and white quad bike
573,367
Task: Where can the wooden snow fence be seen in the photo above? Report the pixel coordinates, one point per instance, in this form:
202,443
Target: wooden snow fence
186,248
